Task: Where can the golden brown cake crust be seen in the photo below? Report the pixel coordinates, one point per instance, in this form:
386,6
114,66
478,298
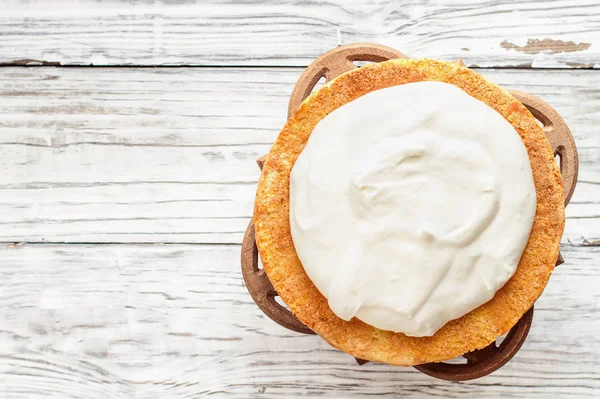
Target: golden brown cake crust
474,330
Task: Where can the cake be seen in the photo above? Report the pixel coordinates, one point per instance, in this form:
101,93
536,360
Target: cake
473,330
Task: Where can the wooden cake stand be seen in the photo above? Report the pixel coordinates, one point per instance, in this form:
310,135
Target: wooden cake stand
481,362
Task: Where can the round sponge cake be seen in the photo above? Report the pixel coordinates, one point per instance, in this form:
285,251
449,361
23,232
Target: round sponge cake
474,330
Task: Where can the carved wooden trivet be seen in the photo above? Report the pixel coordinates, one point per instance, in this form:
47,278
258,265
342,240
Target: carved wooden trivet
481,362
262,290
334,63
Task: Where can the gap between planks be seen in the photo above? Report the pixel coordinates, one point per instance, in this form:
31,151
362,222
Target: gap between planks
133,243
46,64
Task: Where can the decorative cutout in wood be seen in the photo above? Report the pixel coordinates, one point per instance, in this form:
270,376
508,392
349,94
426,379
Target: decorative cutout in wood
334,63
560,138
483,361
262,290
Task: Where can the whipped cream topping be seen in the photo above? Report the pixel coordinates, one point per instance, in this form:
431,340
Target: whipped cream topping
411,206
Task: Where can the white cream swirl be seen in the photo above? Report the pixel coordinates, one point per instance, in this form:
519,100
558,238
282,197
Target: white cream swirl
411,206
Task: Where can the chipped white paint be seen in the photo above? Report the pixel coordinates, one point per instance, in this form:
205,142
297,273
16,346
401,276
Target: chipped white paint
188,32
118,156
168,155
175,321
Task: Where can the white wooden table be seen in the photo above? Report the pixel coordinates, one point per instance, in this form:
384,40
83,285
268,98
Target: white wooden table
126,184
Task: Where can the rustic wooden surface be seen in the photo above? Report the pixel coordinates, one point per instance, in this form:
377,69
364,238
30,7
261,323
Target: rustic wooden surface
168,155
125,192
538,33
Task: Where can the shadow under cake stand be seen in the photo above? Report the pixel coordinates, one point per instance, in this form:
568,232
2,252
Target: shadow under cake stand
480,362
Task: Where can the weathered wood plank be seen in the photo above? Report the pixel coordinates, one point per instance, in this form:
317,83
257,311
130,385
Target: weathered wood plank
167,155
151,321
532,33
